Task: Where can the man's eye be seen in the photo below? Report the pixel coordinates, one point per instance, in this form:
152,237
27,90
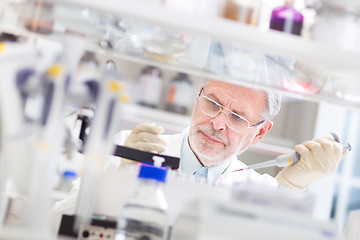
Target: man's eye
212,104
237,118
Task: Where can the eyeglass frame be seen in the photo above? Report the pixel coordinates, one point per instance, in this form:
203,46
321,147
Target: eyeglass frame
226,113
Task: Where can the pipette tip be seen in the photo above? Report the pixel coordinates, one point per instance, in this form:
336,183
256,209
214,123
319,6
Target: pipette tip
237,170
347,147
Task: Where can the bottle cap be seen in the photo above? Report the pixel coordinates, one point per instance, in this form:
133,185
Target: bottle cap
151,172
69,174
158,161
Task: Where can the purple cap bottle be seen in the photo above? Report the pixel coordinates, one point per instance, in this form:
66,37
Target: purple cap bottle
287,19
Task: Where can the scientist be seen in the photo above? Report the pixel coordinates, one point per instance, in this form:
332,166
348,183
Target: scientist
225,121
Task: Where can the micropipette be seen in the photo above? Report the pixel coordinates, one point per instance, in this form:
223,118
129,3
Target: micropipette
289,158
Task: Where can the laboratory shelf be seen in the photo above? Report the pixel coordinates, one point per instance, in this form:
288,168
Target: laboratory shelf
343,66
226,30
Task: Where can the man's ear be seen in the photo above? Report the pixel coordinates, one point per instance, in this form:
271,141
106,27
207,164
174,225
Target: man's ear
262,131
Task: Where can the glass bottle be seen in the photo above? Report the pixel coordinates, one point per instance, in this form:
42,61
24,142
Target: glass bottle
39,17
287,19
246,11
179,98
144,216
151,86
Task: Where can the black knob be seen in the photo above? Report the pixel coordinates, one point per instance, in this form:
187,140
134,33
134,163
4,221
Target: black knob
86,234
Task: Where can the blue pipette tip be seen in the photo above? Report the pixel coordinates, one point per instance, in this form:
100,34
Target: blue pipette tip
348,147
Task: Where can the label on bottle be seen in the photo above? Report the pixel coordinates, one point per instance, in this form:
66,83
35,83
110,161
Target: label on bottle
131,229
179,97
151,87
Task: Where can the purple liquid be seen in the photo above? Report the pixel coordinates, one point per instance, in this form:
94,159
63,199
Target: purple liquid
287,19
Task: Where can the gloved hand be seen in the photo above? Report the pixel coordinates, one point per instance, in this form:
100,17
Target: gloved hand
319,158
145,137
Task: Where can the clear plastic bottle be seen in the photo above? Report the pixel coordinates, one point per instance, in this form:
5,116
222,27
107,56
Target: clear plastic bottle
67,177
144,216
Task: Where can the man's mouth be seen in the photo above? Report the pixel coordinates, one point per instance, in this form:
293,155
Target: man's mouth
211,137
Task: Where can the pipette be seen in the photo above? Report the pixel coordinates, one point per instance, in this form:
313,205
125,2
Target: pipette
289,158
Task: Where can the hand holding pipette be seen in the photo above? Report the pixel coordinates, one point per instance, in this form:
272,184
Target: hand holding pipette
318,158
289,159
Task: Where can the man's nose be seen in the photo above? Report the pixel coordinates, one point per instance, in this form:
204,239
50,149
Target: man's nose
219,121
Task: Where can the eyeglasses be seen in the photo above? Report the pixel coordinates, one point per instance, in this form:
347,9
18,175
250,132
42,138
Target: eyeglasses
233,120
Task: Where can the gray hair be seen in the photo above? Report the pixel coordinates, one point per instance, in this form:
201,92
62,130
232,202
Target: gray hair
273,100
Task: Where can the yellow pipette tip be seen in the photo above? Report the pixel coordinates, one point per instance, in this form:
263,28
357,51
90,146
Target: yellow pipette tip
55,69
124,98
115,86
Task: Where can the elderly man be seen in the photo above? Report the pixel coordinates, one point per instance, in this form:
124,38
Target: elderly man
225,121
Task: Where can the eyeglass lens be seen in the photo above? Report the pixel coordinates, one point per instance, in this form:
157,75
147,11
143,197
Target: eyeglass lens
212,109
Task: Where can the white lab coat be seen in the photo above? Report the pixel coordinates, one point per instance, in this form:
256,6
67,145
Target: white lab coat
174,143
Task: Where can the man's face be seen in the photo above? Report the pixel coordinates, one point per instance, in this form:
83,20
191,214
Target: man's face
212,141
